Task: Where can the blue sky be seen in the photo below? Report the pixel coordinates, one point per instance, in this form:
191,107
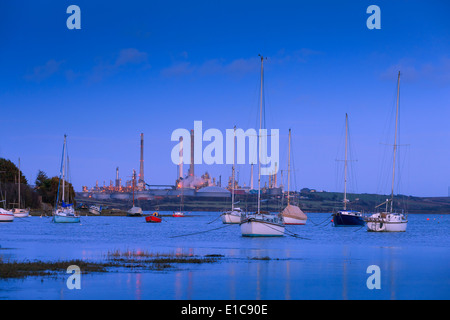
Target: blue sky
155,66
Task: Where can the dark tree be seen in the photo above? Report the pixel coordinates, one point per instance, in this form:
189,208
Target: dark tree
9,172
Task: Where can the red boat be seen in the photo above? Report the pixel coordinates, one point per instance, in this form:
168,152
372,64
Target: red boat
153,218
178,214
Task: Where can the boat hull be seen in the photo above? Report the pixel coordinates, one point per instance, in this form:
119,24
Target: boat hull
66,219
348,219
95,210
387,223
178,214
21,213
153,219
294,221
261,227
6,217
231,217
134,212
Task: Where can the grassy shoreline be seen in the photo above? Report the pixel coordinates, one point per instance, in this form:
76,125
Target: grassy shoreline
113,261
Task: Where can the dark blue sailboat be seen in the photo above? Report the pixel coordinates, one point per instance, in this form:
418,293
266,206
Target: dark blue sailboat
348,218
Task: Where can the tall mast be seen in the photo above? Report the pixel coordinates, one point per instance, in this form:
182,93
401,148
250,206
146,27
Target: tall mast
259,135
395,142
141,182
345,162
251,177
19,185
289,166
64,168
232,171
134,182
60,173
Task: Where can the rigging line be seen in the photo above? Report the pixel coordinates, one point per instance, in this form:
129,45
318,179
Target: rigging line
353,159
293,165
200,232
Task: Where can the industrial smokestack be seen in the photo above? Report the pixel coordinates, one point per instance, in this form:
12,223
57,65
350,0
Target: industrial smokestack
191,168
117,178
180,164
141,183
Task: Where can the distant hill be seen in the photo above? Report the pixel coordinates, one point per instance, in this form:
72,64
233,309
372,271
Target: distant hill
329,201
309,201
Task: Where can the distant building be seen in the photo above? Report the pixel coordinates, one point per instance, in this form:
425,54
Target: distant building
213,191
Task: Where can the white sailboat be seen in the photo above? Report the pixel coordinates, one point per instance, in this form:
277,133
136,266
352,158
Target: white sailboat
261,224
234,215
292,214
5,215
180,213
96,210
64,212
389,221
134,211
20,212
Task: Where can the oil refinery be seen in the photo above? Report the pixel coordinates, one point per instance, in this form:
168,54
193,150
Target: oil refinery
189,185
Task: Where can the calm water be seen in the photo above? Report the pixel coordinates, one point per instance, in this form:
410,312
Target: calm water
330,263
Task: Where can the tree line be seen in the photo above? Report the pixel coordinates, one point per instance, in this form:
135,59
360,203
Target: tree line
43,192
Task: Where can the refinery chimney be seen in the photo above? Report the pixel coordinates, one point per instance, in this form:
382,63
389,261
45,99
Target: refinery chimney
117,178
141,182
191,168
180,165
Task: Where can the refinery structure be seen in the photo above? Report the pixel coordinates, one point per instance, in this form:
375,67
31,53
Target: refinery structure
188,185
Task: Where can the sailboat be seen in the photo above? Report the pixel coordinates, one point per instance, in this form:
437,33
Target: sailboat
292,214
180,213
5,215
19,212
64,212
346,217
389,221
234,215
261,224
134,211
96,210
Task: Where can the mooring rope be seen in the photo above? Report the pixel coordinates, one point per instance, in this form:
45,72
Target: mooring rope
359,228
214,219
318,224
289,233
199,232
294,235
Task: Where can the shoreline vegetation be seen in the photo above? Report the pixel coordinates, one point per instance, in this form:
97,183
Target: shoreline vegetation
114,261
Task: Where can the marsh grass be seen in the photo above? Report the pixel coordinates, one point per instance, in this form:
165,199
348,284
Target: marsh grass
130,259
165,259
17,269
